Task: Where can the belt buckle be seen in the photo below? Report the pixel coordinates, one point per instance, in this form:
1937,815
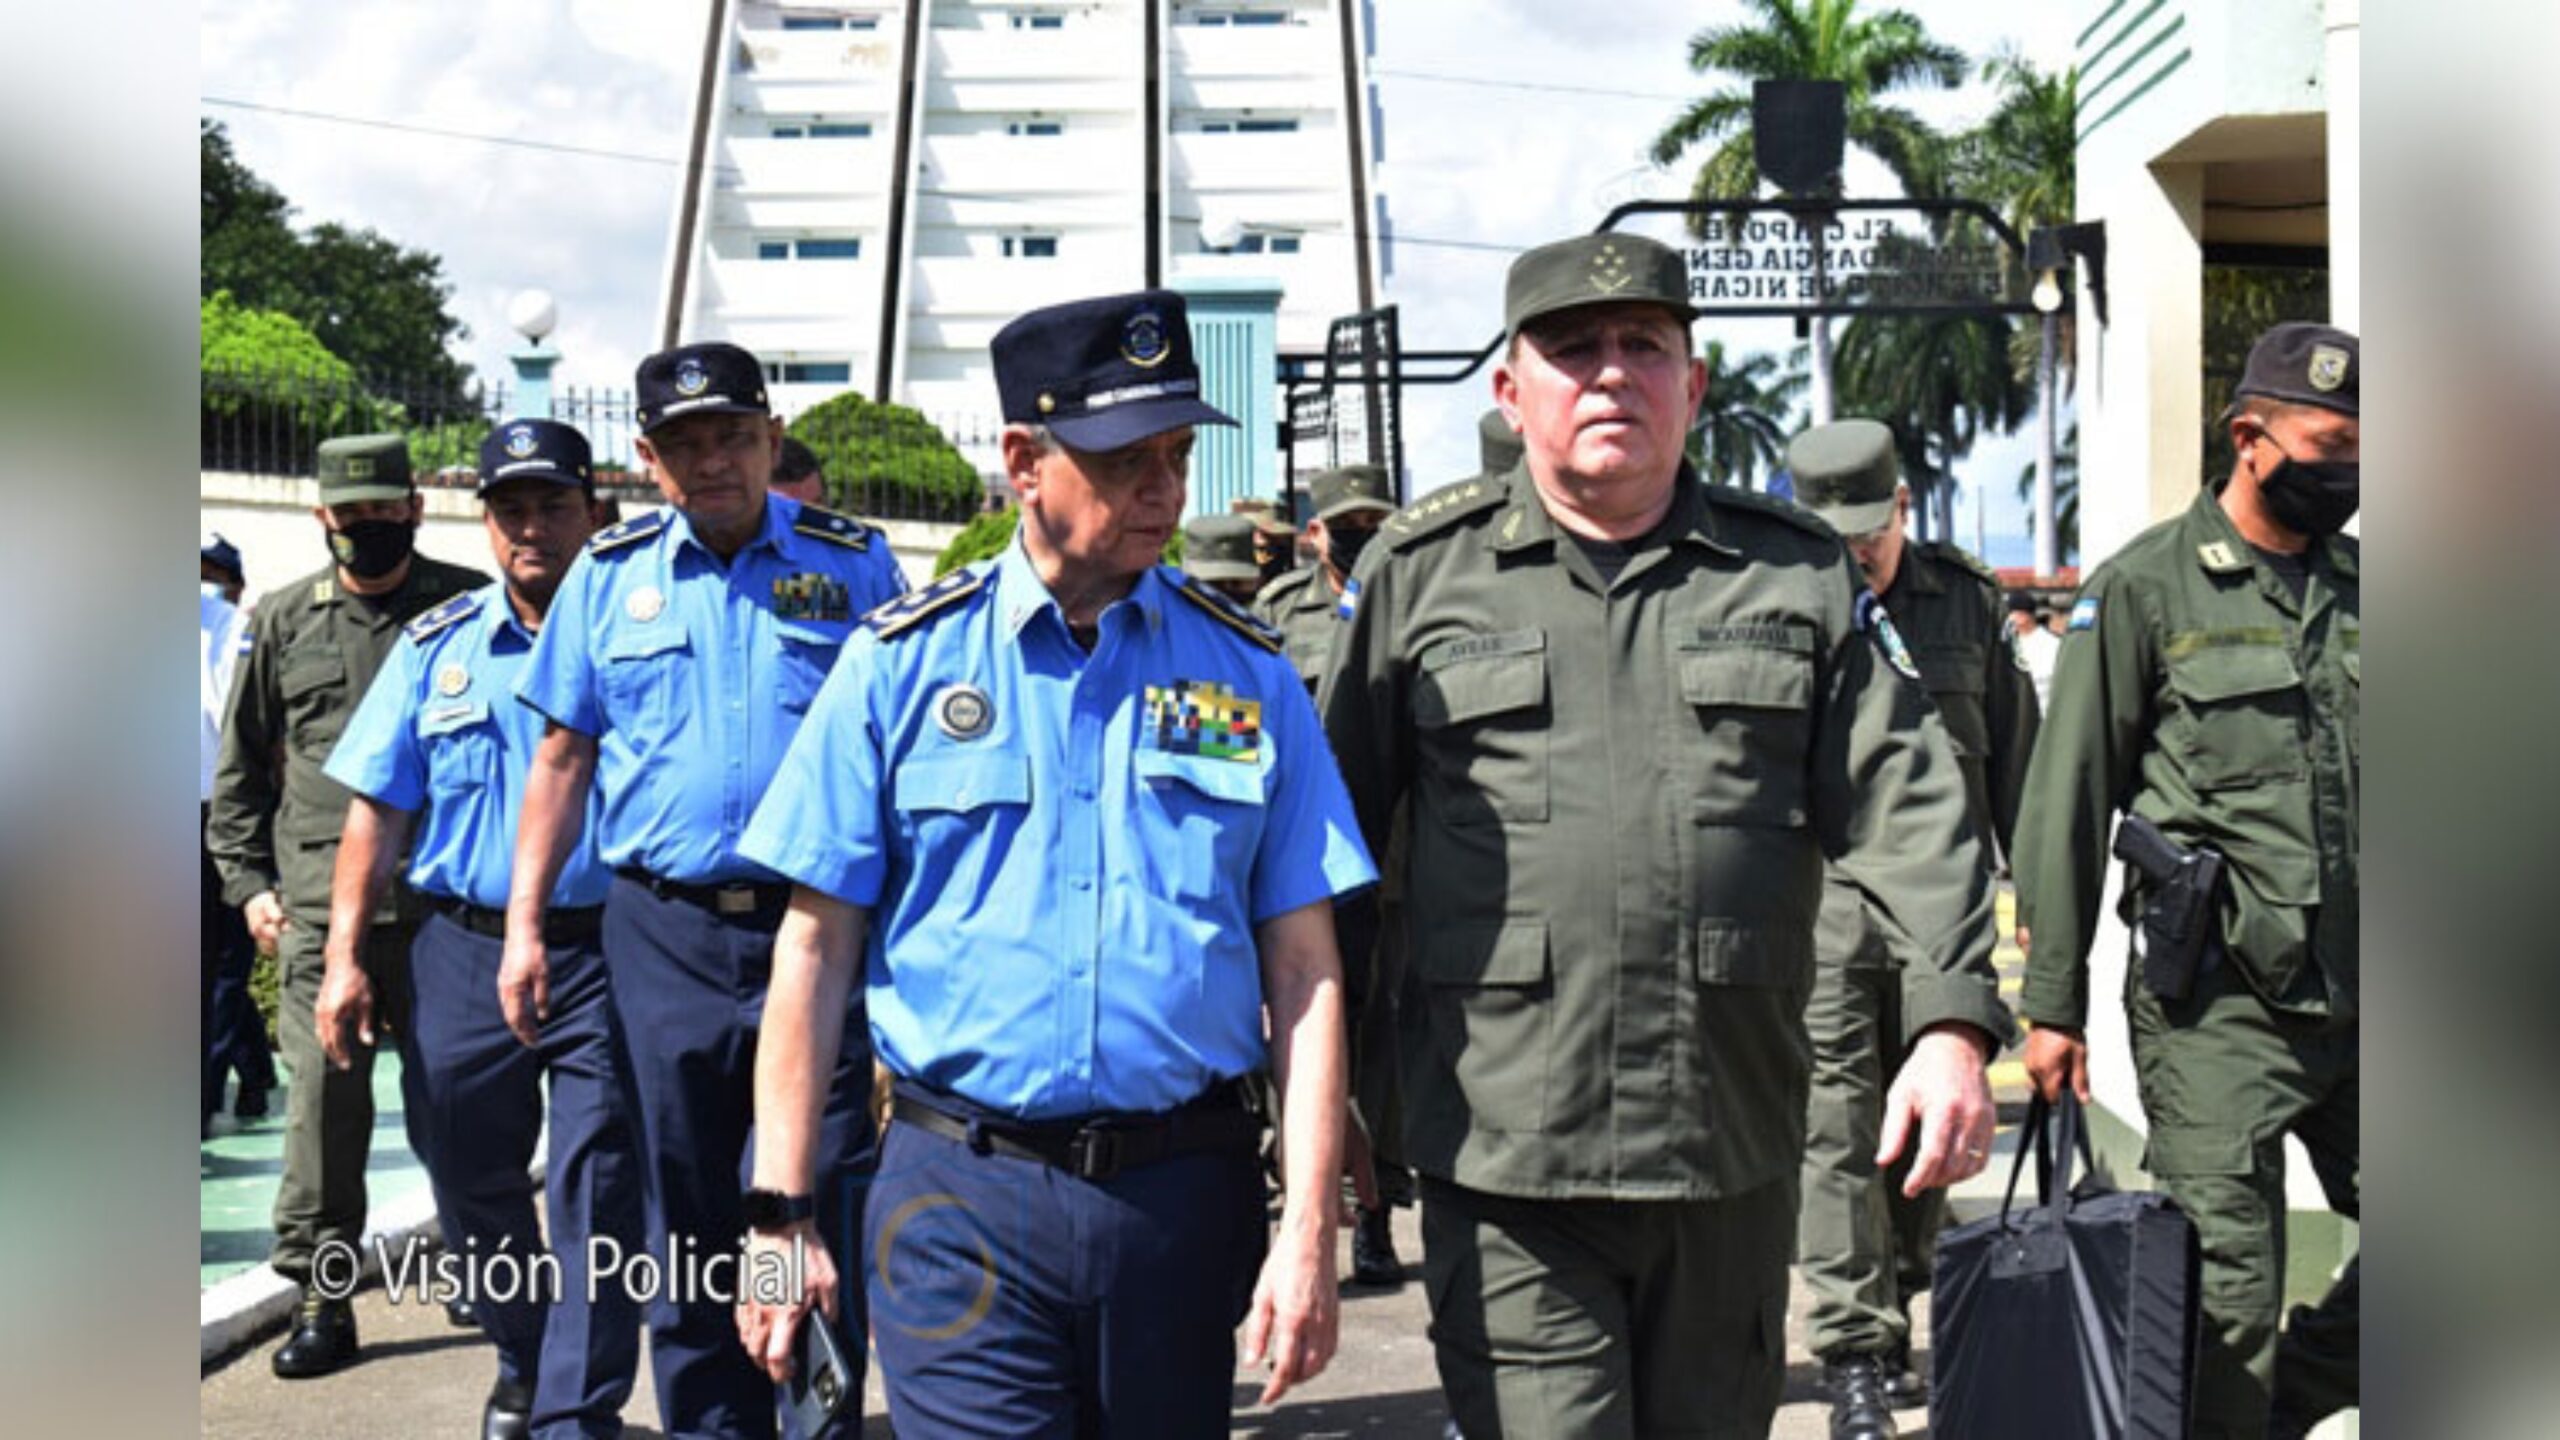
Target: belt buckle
1093,1153
734,900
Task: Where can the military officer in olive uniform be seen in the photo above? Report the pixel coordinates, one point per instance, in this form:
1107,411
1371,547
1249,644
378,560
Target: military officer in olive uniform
1217,550
1497,444
1865,1247
1631,716
2210,681
273,832
1305,606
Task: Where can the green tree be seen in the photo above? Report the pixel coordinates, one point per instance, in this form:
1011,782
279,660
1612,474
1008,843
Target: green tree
2022,161
265,364
2066,492
1741,429
1872,54
1941,382
983,538
375,304
888,460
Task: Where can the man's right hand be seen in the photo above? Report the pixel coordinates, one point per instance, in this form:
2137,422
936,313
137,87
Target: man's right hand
346,999
2056,1055
524,983
265,916
767,1326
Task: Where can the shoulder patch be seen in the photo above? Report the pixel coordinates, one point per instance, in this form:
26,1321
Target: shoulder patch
896,617
836,529
1441,508
1737,498
628,532
1228,613
445,616
2084,613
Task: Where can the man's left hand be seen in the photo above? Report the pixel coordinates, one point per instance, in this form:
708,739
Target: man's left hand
1943,1090
1296,1311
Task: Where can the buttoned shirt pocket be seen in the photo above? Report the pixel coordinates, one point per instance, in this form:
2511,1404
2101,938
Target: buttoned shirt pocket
1205,819
313,688
460,738
1481,706
2242,709
643,679
950,807
1753,705
807,653
1490,994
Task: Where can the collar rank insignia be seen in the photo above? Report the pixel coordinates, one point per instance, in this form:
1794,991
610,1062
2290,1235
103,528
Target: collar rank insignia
1196,717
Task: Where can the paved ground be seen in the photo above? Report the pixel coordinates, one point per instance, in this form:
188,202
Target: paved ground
239,1165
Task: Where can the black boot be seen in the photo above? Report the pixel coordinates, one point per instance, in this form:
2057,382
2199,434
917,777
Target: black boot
323,1339
1904,1388
509,1413
1373,1250
461,1314
1859,1410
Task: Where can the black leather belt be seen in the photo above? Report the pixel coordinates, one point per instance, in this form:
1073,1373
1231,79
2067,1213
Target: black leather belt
581,925
742,898
1097,1147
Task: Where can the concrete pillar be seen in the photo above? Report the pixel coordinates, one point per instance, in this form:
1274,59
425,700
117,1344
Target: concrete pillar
2141,424
2342,89
1235,331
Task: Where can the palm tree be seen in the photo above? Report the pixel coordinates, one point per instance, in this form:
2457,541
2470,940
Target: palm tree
1871,54
1741,429
1941,382
2066,492
2021,161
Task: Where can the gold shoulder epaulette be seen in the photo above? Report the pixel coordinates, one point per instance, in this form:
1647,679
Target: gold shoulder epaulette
631,531
823,524
898,616
1436,511
1227,612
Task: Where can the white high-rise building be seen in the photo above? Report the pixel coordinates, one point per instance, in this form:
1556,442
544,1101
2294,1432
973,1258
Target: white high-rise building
876,186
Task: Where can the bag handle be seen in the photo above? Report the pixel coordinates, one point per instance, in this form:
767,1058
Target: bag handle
2053,1183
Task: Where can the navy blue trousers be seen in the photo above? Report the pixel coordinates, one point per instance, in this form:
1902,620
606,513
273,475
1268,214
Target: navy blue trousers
235,1035
478,1092
688,986
1011,1300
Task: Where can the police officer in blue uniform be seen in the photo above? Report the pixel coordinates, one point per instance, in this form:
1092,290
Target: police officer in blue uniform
440,742
683,650
1071,815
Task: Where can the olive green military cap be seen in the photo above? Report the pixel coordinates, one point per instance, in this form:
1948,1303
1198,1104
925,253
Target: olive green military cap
1219,547
1845,473
1352,487
1497,444
1264,513
363,467
1594,270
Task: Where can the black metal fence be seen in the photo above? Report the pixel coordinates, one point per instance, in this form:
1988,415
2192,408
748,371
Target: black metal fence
271,422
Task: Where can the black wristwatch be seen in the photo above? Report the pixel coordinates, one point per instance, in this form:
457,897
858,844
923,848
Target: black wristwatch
771,1210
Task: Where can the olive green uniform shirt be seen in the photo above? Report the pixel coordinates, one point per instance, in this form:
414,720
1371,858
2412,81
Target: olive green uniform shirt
1950,613
1303,607
275,816
2194,690
1620,805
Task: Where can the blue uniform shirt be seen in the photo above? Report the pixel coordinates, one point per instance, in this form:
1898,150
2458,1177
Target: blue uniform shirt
440,731
693,675
1064,855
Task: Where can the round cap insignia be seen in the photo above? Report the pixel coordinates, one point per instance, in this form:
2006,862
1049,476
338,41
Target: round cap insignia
520,442
691,378
1143,342
452,680
963,713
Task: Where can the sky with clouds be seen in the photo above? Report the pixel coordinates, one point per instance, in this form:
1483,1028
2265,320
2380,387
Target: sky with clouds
1506,123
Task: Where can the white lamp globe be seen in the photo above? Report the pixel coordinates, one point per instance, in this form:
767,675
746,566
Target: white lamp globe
532,314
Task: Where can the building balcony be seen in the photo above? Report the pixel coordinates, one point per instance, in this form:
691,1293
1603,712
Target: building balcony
849,166
825,291
1102,162
1273,50
853,93
959,285
778,55
1102,51
1300,160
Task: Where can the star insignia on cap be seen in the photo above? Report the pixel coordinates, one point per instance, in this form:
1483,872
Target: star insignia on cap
1609,272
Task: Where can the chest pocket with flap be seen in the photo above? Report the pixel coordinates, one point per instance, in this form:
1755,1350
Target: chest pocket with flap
642,679
2242,709
1754,707
1480,703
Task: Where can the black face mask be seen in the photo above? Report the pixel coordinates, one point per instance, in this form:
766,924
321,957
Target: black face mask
371,549
2311,497
1274,563
1342,547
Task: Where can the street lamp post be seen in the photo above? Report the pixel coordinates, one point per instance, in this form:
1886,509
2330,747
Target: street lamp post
532,315
2050,250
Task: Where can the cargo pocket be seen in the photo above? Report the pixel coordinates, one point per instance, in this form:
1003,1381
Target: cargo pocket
1205,819
2243,716
1481,705
313,688
1489,992
1754,710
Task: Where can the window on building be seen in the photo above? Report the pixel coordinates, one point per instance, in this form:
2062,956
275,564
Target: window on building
809,372
1249,127
1034,20
839,247
1216,19
830,22
1262,242
840,130
1035,127
1030,247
